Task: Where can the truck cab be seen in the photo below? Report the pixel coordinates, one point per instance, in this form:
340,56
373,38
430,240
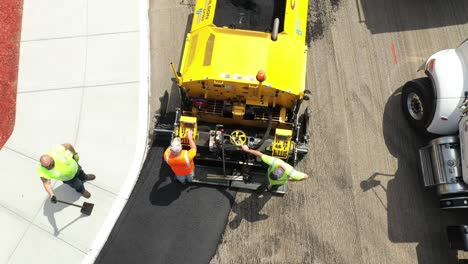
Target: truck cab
438,105
431,104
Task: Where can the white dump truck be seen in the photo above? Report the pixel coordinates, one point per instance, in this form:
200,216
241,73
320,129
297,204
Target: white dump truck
438,104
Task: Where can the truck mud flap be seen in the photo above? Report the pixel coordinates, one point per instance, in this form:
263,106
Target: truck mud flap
458,237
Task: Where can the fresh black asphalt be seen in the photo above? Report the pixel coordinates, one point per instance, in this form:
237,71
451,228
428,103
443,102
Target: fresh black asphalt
165,222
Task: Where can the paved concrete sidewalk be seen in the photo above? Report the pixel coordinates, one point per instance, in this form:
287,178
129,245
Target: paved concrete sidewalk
83,79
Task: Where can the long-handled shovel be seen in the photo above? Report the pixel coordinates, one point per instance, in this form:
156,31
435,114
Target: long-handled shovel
86,208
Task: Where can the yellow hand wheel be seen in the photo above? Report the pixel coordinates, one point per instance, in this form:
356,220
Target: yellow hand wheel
238,137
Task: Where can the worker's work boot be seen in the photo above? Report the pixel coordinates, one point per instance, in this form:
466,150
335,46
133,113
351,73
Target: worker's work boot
259,193
91,177
86,194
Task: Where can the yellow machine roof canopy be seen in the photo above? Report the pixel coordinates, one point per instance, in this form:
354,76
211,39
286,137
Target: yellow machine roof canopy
228,54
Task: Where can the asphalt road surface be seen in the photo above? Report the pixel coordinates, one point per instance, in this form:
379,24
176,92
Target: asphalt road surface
165,222
365,202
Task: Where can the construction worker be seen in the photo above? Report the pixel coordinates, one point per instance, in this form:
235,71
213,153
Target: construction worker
180,160
279,172
61,163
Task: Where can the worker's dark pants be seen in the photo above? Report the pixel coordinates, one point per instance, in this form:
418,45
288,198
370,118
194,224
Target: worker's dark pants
262,188
77,181
266,186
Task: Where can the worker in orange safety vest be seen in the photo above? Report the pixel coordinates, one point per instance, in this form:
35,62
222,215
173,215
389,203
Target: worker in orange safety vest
181,160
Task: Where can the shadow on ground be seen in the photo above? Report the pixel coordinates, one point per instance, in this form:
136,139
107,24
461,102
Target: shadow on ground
166,190
165,222
413,212
67,194
249,209
383,16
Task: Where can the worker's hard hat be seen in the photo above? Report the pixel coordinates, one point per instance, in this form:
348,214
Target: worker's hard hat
277,173
176,146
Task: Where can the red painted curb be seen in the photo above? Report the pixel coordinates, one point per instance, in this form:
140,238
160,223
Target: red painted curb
11,12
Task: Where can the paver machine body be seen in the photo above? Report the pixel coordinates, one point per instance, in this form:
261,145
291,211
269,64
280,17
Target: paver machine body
242,81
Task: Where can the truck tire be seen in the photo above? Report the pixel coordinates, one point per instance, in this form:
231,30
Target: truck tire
417,101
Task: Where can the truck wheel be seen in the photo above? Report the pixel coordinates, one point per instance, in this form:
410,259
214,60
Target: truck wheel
417,101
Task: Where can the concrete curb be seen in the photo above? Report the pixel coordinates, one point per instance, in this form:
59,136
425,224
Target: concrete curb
141,146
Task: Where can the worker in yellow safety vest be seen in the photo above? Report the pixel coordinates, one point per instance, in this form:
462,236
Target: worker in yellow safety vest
61,163
181,160
279,172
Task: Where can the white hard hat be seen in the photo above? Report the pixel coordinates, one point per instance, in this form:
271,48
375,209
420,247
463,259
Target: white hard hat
176,146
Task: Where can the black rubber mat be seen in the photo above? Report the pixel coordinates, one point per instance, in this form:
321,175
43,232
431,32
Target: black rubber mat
165,222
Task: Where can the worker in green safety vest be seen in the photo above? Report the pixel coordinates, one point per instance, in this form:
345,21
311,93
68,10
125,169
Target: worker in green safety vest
61,163
279,172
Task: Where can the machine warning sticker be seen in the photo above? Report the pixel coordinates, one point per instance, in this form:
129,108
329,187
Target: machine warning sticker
204,13
298,27
199,12
237,76
250,78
